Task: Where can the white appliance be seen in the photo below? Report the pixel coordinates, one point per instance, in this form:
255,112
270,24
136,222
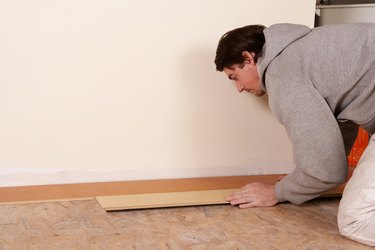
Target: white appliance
346,13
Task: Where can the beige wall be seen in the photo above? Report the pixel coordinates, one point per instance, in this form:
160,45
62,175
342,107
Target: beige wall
122,90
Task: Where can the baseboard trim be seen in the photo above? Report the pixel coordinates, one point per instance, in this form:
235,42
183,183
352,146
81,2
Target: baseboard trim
79,191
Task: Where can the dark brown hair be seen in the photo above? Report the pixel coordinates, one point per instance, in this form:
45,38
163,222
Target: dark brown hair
231,45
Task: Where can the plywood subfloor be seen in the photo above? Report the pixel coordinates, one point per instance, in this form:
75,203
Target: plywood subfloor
85,225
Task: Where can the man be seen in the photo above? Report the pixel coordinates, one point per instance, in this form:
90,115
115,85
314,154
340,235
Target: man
321,86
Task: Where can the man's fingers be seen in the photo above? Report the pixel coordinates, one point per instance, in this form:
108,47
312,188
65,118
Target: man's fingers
255,194
231,196
247,205
239,201
236,195
239,197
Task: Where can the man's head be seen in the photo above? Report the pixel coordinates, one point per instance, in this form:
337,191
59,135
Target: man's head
237,55
231,45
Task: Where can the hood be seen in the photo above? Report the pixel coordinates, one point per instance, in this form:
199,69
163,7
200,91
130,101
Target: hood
278,37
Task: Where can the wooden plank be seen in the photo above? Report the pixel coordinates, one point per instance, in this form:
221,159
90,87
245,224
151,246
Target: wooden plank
45,201
158,200
85,190
176,199
57,192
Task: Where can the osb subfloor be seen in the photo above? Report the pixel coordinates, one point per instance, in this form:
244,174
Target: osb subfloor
85,225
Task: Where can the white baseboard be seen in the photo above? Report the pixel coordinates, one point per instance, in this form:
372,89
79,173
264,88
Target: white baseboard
45,176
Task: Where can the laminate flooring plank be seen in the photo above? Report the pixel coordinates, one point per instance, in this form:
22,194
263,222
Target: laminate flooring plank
84,191
158,200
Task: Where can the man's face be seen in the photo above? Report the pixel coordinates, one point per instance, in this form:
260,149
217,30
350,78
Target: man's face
246,77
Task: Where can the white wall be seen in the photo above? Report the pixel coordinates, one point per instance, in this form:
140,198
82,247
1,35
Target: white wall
123,90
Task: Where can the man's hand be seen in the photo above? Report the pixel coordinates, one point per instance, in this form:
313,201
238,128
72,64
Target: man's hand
255,194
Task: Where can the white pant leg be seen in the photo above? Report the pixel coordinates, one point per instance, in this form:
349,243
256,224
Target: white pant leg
356,215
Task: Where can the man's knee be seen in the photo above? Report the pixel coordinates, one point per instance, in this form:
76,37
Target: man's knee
358,225
356,215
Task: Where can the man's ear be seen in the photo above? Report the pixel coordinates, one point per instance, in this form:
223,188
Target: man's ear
248,57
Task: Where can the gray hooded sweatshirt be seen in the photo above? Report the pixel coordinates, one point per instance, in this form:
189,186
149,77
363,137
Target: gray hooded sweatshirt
321,86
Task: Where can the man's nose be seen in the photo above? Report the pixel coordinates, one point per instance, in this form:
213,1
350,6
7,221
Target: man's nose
239,87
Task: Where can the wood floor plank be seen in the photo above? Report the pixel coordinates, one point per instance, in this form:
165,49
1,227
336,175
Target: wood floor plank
26,194
84,190
157,200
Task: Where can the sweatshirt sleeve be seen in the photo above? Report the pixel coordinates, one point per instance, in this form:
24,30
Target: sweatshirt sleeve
318,147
